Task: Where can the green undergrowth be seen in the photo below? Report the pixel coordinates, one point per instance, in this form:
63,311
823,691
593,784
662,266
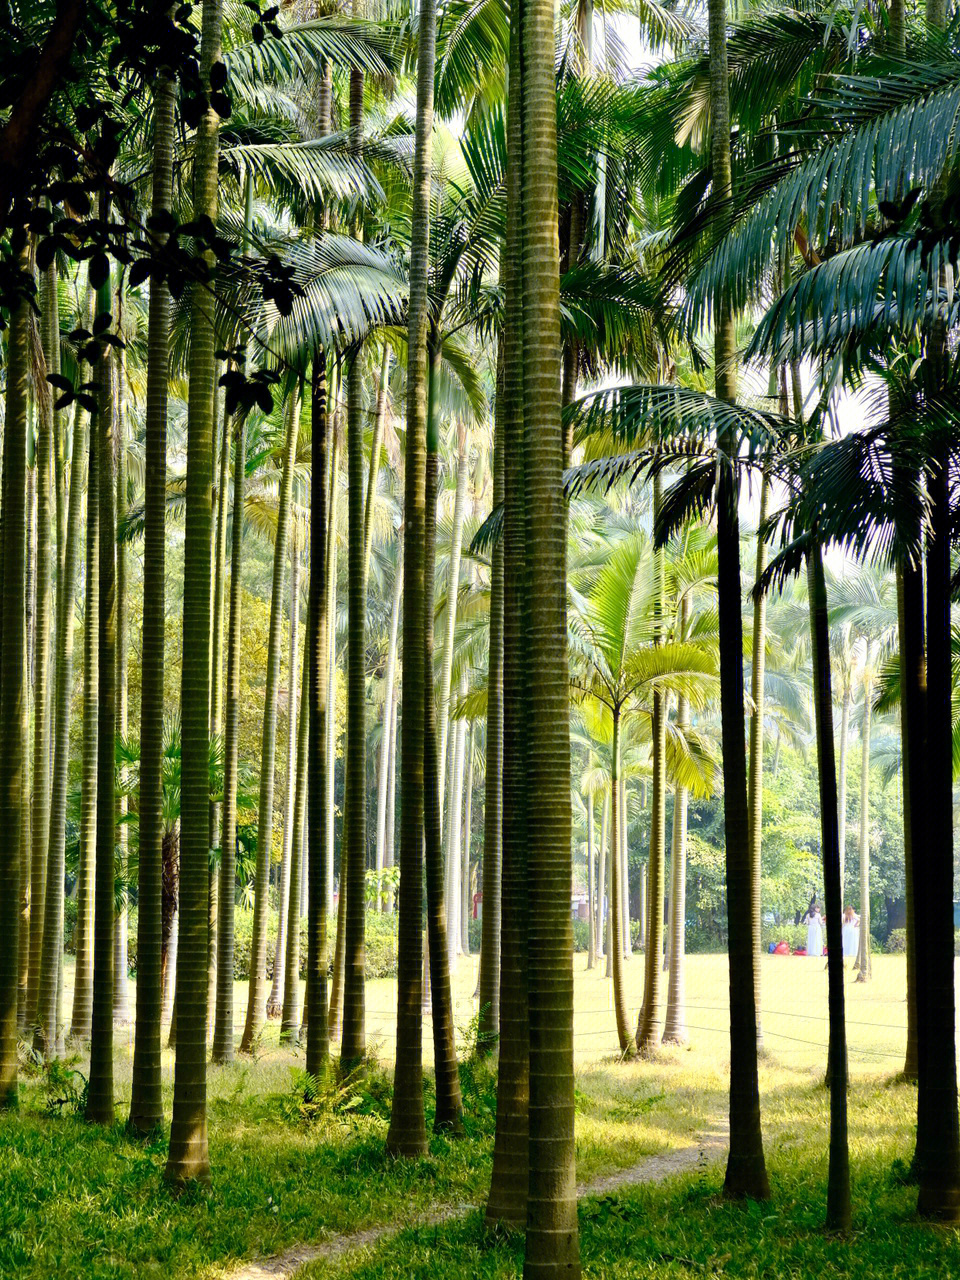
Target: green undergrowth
684,1228
81,1201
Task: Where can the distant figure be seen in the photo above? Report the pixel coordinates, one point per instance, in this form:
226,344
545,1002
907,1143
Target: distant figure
814,922
851,934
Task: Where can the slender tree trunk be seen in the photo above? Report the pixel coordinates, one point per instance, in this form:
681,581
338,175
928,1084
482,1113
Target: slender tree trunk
450,617
649,1030
353,848
407,1133
256,993
376,448
842,782
591,883
454,856
628,1044
838,1177
100,1093
675,1023
83,976
319,845
864,965
552,1246
465,895
603,950
488,1022
907,709
509,1183
449,1105
336,995
146,1102
12,690
188,1160
121,993
223,1048
746,1173
388,852
290,1014
755,775
45,956
389,684
288,889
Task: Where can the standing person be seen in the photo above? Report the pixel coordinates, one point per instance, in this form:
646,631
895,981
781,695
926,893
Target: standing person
814,922
851,934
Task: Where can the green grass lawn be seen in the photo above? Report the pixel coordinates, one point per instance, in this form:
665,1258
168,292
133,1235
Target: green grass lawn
78,1201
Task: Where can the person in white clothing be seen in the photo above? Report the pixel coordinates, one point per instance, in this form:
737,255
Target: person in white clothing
814,922
851,934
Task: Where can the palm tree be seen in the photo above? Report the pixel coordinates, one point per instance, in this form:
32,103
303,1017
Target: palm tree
257,990
44,960
83,978
12,685
746,1173
838,1180
510,1179
407,1133
552,1245
316,660
188,1159
103,490
146,1102
353,1042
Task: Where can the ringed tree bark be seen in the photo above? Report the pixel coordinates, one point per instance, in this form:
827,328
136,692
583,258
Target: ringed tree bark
146,1103
12,690
100,1094
864,965
316,660
256,991
746,1174
407,1134
509,1183
838,1177
188,1159
552,1244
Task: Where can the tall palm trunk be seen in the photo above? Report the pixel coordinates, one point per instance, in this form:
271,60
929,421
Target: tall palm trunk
838,1178
121,994
625,874
389,684
675,1023
454,834
863,958
319,846
755,775
256,991
842,782
407,1133
465,895
376,448
591,885
910,821
83,975
146,1102
12,691
389,859
746,1173
44,956
333,509
509,1182
628,1044
449,1105
353,847
938,1134
552,1246
450,618
603,949
100,1094
189,1160
488,1020
290,1014
649,1028
223,1027
288,901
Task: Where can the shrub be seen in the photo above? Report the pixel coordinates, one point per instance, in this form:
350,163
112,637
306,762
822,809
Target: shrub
896,943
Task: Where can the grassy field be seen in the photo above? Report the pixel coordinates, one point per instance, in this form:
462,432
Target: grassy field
81,1202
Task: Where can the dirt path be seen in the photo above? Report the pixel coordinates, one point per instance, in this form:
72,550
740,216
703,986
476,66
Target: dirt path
284,1266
